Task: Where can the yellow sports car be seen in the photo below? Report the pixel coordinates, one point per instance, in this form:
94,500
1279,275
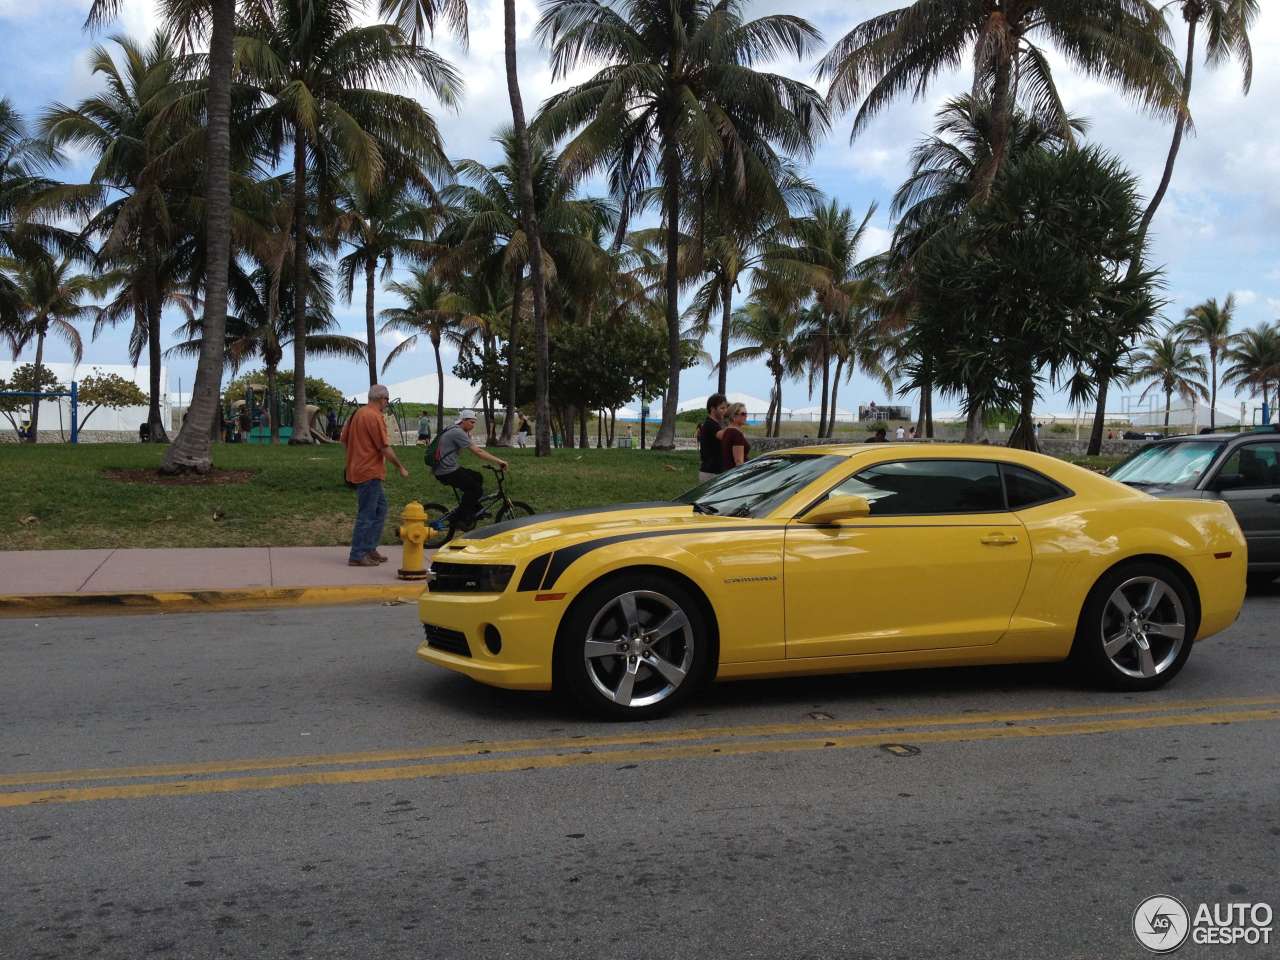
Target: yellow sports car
836,559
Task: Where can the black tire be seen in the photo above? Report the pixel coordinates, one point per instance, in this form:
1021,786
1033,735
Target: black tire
437,538
518,509
597,680
1108,646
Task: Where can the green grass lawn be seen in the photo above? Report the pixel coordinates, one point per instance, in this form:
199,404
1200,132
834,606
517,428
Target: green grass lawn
57,497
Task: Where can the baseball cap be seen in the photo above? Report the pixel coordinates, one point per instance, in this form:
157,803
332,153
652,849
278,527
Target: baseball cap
466,415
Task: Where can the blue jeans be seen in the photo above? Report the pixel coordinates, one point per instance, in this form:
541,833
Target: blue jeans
371,514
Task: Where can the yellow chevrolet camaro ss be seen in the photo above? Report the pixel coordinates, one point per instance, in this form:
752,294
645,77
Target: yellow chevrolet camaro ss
837,559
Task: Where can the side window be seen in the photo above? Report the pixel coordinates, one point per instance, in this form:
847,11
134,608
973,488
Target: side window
1025,488
1251,465
915,487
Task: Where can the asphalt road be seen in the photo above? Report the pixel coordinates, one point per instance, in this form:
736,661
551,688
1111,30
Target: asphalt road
297,784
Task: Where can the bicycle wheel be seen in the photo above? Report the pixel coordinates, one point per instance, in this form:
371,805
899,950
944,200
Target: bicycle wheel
440,529
512,509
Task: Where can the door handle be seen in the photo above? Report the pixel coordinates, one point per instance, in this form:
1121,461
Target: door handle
1274,498
999,540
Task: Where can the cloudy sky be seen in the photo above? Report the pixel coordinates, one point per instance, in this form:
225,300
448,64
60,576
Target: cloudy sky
1215,233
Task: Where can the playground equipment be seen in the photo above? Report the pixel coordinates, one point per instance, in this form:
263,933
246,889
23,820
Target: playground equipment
73,393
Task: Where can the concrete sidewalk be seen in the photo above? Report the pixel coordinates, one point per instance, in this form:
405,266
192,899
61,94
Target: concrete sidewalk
68,581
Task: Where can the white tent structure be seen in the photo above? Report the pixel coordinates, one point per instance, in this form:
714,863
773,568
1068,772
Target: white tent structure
756,407
425,389
812,413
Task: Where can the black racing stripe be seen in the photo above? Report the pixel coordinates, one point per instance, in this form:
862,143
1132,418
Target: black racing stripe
532,575
561,559
482,533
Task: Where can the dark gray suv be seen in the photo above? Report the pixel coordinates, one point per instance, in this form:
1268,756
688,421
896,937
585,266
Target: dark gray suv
1242,469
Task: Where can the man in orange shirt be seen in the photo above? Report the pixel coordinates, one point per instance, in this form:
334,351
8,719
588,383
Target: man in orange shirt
368,448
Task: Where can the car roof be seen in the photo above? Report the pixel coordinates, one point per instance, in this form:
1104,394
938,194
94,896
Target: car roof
1221,437
947,451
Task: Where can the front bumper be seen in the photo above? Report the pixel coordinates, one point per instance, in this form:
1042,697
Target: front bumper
527,628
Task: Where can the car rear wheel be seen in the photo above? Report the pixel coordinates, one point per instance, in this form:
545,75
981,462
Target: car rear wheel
1137,627
633,647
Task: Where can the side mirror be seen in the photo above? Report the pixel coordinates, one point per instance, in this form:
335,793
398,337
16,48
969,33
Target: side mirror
837,508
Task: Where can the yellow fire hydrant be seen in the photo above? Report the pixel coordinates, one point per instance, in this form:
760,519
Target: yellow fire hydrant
413,534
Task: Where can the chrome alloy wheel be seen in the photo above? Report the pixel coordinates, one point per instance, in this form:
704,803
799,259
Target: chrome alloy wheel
639,648
1143,627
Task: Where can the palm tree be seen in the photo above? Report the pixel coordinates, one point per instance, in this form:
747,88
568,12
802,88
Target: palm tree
49,298
188,18
28,226
1209,325
427,312
1172,367
857,345
135,204
767,331
824,257
318,75
678,102
1229,23
1254,358
486,232
380,225
1122,41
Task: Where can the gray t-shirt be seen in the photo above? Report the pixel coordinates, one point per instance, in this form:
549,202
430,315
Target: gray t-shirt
451,441
424,425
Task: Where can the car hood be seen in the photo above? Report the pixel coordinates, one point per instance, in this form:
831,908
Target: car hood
551,531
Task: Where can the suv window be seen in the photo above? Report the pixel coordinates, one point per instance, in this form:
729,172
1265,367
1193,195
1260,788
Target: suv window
1251,465
1025,488
915,487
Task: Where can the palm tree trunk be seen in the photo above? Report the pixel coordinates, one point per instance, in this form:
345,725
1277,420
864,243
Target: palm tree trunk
973,423
300,433
583,440
529,214
1023,436
726,296
928,423
924,399
156,432
666,438
777,413
826,373
1213,388
768,416
613,424
1001,118
513,341
370,270
835,385
273,405
1179,129
435,347
35,401
1168,404
193,448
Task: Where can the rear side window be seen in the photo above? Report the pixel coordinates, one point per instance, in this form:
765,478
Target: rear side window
921,487
1026,488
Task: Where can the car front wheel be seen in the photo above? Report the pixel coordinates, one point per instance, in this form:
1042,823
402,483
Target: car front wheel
1137,627
633,647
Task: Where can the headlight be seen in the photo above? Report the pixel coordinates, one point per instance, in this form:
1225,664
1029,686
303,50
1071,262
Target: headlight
469,577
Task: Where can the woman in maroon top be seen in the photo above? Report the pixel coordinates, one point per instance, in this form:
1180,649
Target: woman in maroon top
733,442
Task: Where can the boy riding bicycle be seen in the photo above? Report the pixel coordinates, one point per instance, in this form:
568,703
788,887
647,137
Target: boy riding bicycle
468,483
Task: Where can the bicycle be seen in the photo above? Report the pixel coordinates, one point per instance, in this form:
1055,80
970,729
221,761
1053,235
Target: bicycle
442,521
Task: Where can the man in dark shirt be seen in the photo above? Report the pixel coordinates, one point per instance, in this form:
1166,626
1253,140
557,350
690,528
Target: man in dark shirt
710,458
877,437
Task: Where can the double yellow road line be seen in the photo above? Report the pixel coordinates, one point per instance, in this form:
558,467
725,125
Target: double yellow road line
232,776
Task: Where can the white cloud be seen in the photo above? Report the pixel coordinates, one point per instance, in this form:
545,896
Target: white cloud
1246,297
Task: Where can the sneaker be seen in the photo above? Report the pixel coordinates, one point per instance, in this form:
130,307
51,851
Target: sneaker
381,558
365,561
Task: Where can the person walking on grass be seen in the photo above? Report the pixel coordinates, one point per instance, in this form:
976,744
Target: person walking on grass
710,456
368,450
446,469
424,429
734,446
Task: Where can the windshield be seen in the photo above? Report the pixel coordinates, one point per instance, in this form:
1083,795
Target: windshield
757,486
1167,464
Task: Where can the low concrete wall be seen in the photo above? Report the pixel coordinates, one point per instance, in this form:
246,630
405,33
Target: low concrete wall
86,436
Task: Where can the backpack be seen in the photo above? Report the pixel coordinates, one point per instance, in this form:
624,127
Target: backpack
432,454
